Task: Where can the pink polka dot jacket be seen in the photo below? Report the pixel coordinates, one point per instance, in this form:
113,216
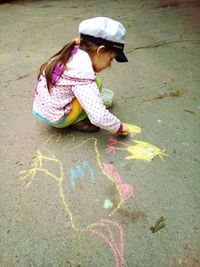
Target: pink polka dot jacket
77,81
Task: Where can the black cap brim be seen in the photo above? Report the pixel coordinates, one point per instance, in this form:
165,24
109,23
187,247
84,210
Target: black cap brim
121,57
117,47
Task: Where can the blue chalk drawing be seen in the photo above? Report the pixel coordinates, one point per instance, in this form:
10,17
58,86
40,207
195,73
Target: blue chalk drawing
108,203
80,171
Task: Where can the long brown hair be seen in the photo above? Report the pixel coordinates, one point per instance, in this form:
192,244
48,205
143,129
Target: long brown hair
62,57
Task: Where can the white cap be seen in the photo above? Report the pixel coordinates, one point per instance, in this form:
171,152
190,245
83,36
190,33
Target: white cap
105,31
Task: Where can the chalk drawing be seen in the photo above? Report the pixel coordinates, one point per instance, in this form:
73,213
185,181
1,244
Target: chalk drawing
102,228
141,150
108,238
108,203
89,169
133,129
74,172
37,166
126,189
45,154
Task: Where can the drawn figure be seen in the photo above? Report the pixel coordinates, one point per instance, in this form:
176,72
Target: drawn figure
141,150
82,186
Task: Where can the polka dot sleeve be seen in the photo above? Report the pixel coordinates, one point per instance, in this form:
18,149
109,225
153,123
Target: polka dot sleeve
89,97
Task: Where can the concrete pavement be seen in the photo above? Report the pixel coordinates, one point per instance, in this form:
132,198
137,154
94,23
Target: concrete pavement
59,207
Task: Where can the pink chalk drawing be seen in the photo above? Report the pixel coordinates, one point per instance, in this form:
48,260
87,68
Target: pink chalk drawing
108,238
113,141
126,189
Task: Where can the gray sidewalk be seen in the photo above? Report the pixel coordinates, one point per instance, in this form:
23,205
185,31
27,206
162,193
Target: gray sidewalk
74,199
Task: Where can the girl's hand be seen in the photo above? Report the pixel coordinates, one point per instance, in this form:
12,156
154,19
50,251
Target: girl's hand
122,130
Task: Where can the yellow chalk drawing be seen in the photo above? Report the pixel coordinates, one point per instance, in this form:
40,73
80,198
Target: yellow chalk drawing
145,151
132,128
37,164
40,164
141,150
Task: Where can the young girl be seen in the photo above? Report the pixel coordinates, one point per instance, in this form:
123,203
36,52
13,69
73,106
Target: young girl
68,92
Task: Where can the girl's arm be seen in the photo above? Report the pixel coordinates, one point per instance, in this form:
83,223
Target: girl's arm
89,98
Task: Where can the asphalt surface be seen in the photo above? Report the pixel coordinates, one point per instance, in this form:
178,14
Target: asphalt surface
59,207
